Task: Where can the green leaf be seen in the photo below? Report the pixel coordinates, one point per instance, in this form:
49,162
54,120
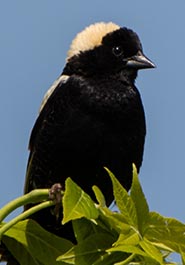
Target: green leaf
89,250
123,201
151,250
168,231
111,258
182,256
139,200
132,238
162,247
37,244
17,250
128,242
83,228
99,196
115,220
76,203
129,260
128,249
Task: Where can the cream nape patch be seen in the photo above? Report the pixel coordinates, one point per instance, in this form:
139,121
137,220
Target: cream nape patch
90,37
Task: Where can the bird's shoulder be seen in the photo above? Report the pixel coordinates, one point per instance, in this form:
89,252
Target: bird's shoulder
62,95
46,105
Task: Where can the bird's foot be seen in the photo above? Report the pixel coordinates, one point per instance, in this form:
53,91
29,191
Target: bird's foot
56,196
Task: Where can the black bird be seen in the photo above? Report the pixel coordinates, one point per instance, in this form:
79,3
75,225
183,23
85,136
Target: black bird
91,117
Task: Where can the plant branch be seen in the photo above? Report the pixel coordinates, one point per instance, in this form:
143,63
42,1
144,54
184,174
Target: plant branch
24,215
34,196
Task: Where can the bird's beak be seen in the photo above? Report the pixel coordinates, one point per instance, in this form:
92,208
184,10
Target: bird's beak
140,61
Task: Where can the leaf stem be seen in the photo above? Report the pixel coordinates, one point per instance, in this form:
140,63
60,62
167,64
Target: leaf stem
34,196
126,261
24,215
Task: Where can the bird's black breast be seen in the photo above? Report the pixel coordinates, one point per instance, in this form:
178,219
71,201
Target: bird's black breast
85,125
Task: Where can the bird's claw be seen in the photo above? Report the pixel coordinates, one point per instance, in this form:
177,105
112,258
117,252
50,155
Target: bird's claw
55,195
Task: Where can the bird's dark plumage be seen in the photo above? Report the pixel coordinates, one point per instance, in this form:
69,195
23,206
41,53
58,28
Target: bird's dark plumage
92,117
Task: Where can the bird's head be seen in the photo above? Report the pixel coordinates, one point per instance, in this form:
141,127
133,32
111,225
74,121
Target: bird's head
105,48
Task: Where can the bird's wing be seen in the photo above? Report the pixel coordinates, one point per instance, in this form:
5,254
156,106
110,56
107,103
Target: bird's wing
44,108
61,80
49,94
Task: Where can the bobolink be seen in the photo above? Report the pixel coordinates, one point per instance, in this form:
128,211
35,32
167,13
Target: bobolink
92,117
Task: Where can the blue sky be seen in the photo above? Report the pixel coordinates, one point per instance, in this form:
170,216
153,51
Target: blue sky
34,38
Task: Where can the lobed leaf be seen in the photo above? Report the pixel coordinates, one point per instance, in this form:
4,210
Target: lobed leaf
151,250
139,200
17,249
131,238
89,250
168,231
123,201
38,245
115,220
99,196
83,228
76,203
182,252
128,249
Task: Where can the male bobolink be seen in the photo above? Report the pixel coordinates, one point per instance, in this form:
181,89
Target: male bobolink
92,117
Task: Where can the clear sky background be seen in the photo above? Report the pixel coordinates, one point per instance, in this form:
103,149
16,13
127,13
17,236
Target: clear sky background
34,38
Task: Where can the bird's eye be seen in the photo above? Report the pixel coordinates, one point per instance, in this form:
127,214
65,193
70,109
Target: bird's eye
117,50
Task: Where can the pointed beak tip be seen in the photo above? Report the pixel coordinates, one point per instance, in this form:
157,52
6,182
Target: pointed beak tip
152,65
140,61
